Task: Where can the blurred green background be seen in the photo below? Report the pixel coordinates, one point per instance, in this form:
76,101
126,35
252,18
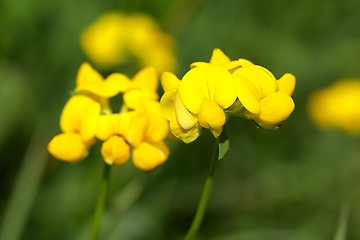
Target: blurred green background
288,184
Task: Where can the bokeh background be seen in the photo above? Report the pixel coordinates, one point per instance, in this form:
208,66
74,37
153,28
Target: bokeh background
287,184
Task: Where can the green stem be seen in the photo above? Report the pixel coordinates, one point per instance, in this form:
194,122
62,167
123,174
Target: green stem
201,209
100,203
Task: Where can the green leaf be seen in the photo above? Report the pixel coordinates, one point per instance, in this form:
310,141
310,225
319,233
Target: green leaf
340,233
224,145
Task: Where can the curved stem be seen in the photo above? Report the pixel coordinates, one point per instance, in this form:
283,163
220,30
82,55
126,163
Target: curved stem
100,203
201,209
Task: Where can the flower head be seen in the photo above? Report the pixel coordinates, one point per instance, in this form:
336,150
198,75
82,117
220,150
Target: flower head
210,92
337,106
139,128
198,101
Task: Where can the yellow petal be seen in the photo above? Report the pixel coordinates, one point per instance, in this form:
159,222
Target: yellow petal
244,62
107,126
89,120
157,126
80,115
207,83
211,115
222,86
219,57
247,93
198,64
119,82
186,135
287,83
253,83
136,97
276,108
147,78
190,89
169,81
115,150
150,155
130,125
167,103
107,88
87,75
68,147
184,117
103,90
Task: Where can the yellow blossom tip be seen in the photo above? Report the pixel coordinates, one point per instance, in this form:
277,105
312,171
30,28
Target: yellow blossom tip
287,83
169,81
219,57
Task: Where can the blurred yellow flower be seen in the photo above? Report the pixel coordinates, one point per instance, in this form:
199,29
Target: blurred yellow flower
142,130
197,101
78,123
267,101
114,38
337,106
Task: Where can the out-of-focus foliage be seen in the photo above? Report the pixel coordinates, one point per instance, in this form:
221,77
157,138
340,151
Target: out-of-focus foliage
284,184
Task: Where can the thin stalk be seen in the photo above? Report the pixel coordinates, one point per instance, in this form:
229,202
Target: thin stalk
201,209
100,203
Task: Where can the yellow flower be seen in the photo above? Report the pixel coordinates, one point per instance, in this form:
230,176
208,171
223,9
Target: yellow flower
116,38
197,101
266,100
337,106
142,130
220,59
78,123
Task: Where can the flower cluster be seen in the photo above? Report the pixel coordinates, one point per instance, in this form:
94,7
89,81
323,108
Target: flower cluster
115,38
210,92
337,106
138,127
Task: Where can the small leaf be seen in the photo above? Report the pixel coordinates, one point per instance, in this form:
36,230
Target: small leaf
340,233
224,145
